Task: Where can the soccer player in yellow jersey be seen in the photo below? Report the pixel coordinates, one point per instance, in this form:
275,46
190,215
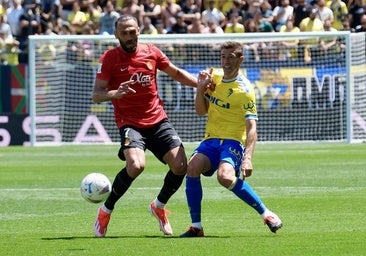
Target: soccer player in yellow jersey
228,99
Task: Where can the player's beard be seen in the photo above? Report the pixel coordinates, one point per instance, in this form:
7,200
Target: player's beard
129,46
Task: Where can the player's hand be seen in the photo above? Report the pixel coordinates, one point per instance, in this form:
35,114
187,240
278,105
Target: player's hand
246,168
204,80
124,88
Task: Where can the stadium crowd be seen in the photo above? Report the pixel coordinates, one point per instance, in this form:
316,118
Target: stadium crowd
21,18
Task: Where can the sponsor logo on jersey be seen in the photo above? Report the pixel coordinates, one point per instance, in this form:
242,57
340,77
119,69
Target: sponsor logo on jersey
140,78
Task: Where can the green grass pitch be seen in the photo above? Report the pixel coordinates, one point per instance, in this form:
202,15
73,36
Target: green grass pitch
318,190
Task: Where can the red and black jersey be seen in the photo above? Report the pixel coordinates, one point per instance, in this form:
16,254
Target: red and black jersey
144,108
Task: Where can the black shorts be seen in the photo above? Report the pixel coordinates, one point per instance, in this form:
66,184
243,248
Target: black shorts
159,139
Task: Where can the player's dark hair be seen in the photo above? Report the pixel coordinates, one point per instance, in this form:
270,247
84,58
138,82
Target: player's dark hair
238,47
125,17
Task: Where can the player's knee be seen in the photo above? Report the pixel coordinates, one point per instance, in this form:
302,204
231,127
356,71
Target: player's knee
179,167
177,162
225,178
193,171
135,168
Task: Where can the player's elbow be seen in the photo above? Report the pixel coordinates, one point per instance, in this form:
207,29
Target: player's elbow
96,98
201,111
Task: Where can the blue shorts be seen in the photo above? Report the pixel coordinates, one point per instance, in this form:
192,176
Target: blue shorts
218,150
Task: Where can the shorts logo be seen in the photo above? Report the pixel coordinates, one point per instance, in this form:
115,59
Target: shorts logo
176,138
235,152
127,142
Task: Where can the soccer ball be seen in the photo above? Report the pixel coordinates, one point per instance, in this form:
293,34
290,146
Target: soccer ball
95,187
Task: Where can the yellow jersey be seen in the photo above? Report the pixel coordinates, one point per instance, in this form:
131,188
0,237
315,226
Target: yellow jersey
230,104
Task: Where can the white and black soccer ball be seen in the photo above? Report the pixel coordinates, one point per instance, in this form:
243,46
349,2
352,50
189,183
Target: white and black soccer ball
95,187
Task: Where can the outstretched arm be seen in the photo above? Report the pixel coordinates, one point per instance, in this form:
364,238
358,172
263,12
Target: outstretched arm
180,75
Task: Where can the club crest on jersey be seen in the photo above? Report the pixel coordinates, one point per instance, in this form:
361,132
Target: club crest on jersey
230,91
149,65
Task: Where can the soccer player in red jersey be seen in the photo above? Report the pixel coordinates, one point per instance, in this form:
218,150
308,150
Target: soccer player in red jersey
127,77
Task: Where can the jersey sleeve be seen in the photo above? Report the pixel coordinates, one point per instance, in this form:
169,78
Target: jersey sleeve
162,61
250,106
104,67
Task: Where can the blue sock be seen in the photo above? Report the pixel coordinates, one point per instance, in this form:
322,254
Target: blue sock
247,194
194,197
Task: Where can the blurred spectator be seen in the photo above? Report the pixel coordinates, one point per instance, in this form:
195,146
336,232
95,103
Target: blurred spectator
224,5
301,11
50,10
357,9
169,11
84,5
263,24
190,11
289,47
325,13
47,53
67,6
340,12
12,16
160,27
254,6
152,10
93,15
30,24
212,27
107,19
77,18
196,27
5,28
251,26
211,13
362,26
180,27
281,13
234,26
65,28
347,25
310,24
251,50
9,50
147,28
328,45
237,8
49,30
132,7
267,12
